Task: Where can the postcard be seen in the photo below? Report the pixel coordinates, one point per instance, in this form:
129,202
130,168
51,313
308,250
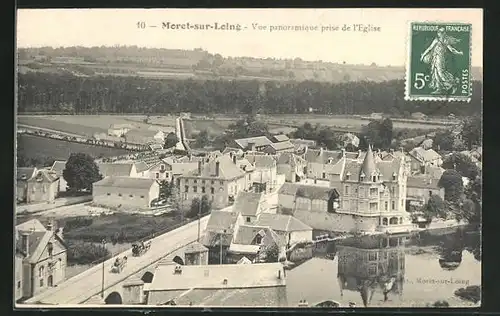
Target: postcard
267,158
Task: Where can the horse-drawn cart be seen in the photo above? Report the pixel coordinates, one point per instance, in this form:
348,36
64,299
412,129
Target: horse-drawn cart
119,264
138,249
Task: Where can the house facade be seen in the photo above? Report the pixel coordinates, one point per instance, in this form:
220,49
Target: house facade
117,169
22,177
420,158
220,179
251,143
420,188
292,166
125,192
43,187
43,254
277,148
58,167
290,229
264,177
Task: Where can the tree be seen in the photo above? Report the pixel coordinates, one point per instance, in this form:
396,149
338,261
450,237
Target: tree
271,253
444,141
165,189
472,131
171,140
81,172
378,133
453,185
463,164
435,208
202,139
197,209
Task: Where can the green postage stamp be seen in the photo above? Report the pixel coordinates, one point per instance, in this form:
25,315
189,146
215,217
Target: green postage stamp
438,67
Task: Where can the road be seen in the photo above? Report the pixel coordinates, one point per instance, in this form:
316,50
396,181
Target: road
81,287
53,131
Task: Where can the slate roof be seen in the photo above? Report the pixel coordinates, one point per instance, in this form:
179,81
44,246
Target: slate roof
141,166
38,239
125,182
245,234
304,142
290,159
220,220
423,182
228,170
258,141
314,192
58,167
44,175
282,145
322,156
115,169
24,174
195,247
183,168
280,222
386,168
424,155
247,203
288,188
262,161
281,138
213,239
245,165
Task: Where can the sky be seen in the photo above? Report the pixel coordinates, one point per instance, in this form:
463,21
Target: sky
385,44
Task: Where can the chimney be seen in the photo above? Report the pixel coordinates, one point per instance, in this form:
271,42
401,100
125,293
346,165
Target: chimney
25,243
200,163
217,168
279,274
50,226
343,152
234,159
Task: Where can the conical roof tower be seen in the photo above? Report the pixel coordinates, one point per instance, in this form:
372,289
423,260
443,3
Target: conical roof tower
368,167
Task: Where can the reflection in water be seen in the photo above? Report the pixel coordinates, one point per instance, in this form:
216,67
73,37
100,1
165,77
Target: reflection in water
371,263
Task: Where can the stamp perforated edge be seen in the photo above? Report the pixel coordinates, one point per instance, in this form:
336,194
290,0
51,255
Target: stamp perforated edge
408,97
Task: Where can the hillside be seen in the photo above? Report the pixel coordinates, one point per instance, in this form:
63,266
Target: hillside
183,64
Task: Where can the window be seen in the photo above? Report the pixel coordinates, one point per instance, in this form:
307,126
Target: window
346,189
157,175
372,270
221,182
386,205
142,196
18,284
212,181
186,189
203,181
130,195
348,176
212,190
41,282
258,239
195,181
248,219
50,248
372,256
40,271
324,175
373,206
394,177
119,194
108,194
392,190
195,189
374,178
162,167
393,205
401,202
202,189
373,191
384,221
430,192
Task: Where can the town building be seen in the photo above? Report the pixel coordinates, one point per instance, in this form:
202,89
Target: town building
58,168
22,177
350,141
251,143
320,162
292,166
145,136
253,242
43,187
420,158
118,130
296,196
289,228
264,178
218,235
220,179
117,169
419,188
277,148
231,285
280,138
196,254
42,255
125,192
371,265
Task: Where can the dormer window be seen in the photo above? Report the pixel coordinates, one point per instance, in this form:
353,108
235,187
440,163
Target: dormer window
374,178
162,167
348,176
362,175
394,176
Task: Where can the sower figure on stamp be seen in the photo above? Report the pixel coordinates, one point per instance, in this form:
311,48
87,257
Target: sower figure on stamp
437,55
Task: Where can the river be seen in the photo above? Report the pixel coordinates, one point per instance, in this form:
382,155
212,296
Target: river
424,267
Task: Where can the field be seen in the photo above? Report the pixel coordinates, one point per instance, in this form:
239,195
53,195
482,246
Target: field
34,146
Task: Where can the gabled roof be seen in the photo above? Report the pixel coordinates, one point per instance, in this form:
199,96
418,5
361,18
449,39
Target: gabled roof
386,169
228,170
141,166
245,165
228,150
38,238
305,142
125,182
221,220
314,192
195,247
424,155
245,234
322,156
290,159
247,203
115,169
183,168
44,175
288,188
262,161
280,222
281,138
58,167
423,182
31,225
24,174
258,141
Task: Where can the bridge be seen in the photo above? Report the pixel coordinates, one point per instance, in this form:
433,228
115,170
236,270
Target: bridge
86,286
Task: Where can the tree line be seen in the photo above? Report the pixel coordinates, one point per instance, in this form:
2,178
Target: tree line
46,92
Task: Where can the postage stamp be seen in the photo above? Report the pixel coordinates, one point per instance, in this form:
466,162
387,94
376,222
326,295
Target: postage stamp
438,67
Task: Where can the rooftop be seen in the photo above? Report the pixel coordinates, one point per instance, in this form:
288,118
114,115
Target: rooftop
228,170
195,247
262,161
282,145
423,182
58,167
116,169
258,141
213,276
44,175
424,154
24,174
290,159
221,220
247,203
280,222
313,192
322,156
125,182
281,138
